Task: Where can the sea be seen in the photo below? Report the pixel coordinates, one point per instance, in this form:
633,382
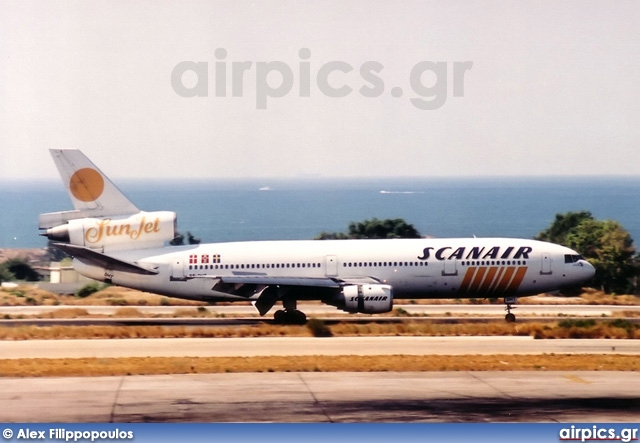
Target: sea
281,209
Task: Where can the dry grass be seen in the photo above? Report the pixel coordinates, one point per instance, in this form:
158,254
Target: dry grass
131,297
65,313
595,297
28,296
112,295
375,363
563,329
128,312
58,332
627,314
193,313
589,296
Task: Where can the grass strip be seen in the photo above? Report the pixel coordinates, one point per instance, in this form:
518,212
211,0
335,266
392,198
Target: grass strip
614,328
93,367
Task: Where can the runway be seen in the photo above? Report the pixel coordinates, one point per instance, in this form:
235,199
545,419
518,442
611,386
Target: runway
513,396
285,346
322,397
316,310
328,397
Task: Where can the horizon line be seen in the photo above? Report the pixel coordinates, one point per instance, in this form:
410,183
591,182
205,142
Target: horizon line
346,178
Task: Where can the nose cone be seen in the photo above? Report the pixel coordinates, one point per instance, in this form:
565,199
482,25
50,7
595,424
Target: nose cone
581,272
588,270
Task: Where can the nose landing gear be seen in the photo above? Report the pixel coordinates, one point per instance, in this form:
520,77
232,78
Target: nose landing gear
509,301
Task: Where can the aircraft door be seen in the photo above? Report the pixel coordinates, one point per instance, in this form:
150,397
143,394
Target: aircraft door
177,269
450,267
331,263
545,268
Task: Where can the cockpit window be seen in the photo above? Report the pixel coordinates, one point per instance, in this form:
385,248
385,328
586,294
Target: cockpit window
569,258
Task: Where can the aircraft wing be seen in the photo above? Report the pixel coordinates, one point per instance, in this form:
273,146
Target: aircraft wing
281,281
318,282
266,286
96,258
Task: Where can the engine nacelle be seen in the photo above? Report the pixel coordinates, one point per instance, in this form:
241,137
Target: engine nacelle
367,299
142,230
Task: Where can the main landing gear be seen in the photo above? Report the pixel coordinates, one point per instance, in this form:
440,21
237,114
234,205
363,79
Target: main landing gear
510,318
293,317
290,315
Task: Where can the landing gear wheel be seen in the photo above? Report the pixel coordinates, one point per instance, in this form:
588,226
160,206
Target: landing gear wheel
510,301
293,317
280,317
298,317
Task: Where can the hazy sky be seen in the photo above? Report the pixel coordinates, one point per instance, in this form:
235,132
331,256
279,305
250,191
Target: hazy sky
554,87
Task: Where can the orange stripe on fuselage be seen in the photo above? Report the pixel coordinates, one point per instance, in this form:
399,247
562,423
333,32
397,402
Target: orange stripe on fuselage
482,280
496,280
488,280
477,279
504,281
517,279
467,279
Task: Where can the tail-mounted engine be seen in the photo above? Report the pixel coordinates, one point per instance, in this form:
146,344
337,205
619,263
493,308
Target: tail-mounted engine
142,230
367,299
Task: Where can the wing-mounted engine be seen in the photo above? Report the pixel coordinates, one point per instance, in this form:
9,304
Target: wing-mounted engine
366,298
138,231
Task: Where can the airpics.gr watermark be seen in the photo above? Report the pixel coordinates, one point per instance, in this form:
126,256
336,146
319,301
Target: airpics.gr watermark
336,79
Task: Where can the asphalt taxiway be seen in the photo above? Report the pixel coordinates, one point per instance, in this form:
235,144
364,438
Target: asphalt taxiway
327,397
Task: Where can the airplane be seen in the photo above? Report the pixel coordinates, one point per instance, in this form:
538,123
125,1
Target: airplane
113,241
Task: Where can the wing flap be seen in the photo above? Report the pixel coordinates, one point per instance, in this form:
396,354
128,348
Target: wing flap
321,282
266,280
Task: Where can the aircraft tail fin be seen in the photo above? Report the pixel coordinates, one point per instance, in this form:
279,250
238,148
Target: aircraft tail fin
90,190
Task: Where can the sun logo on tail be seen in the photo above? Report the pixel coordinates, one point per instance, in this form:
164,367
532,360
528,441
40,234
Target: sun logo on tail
86,184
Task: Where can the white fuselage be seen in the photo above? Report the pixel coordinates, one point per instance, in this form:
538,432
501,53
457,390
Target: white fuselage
415,268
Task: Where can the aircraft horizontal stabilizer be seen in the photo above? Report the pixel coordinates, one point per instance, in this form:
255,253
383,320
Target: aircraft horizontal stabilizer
95,258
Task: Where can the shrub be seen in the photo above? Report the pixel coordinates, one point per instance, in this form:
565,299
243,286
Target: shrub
5,274
577,323
88,289
20,269
623,324
318,328
400,312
